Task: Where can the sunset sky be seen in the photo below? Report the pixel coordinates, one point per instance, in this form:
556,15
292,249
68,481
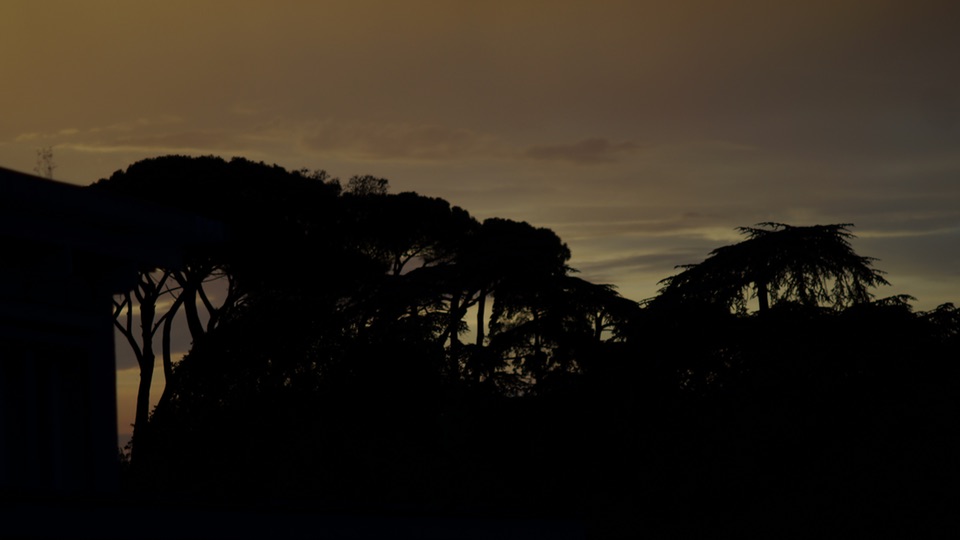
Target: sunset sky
641,132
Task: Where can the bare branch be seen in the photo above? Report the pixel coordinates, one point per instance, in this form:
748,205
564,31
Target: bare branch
206,301
127,331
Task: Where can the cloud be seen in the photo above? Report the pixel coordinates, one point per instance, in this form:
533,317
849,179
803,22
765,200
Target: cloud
594,150
24,137
398,141
173,135
132,133
191,141
661,261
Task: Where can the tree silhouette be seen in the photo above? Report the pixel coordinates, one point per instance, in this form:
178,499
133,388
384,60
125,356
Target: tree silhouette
330,370
405,229
230,192
148,291
363,185
813,265
45,164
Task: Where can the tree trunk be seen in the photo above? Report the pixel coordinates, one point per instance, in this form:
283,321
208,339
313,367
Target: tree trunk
598,328
763,296
190,309
146,361
143,407
168,383
481,322
453,319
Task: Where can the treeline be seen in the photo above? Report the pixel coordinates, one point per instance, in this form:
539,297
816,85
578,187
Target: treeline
389,352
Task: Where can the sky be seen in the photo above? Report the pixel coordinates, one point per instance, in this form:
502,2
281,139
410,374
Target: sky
641,132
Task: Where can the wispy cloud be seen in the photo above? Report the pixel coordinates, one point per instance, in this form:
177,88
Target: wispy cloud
398,141
593,150
663,261
132,126
169,135
191,141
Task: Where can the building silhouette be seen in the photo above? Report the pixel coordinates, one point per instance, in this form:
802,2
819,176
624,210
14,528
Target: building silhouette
66,250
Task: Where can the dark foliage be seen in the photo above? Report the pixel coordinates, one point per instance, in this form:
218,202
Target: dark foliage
812,265
337,375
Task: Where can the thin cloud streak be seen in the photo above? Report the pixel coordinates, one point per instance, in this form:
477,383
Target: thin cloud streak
593,150
398,142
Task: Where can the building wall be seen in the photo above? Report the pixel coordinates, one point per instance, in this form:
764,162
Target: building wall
57,376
